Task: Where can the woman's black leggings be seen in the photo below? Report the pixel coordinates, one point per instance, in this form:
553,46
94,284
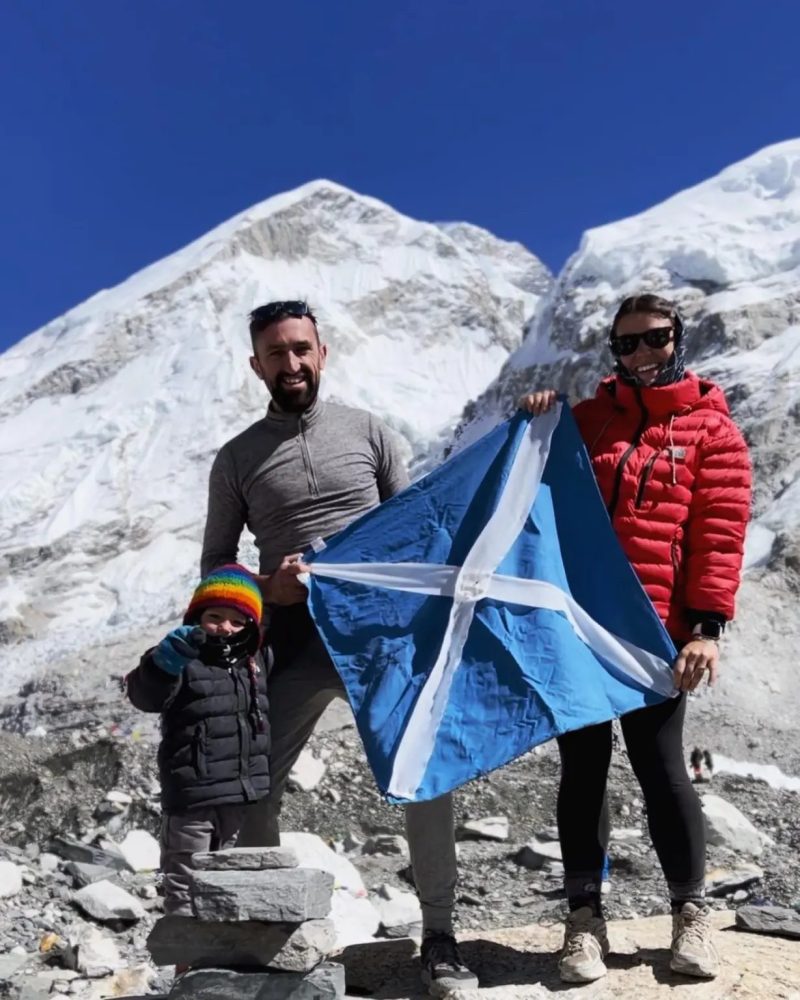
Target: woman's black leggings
654,740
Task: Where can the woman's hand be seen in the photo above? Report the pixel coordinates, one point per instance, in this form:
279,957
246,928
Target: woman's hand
538,402
692,662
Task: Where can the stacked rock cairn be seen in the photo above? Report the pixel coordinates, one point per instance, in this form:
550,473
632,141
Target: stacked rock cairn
260,931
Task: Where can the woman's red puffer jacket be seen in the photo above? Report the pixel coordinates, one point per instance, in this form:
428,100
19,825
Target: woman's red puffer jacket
674,473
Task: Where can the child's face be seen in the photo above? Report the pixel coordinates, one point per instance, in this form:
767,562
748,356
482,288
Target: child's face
222,621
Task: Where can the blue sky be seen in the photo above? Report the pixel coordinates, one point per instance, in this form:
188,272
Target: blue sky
129,127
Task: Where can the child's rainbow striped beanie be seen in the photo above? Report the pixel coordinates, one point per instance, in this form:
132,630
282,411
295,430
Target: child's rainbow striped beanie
230,586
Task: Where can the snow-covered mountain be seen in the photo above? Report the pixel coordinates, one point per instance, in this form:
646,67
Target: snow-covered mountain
111,414
728,252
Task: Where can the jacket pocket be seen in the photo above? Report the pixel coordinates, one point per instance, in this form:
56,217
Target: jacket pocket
199,750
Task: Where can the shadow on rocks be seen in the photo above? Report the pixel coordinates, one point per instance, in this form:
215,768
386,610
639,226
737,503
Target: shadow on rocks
389,970
657,959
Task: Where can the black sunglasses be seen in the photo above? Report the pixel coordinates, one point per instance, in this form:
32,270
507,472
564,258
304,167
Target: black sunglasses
626,343
277,310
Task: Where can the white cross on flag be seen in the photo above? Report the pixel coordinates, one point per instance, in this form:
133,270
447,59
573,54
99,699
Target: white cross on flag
486,609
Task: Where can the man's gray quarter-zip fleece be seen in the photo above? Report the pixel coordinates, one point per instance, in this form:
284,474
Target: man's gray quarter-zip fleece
291,478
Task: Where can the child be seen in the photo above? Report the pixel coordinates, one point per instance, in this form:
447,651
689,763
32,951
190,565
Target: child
207,678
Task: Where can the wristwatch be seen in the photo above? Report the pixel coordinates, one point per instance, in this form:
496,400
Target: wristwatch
708,630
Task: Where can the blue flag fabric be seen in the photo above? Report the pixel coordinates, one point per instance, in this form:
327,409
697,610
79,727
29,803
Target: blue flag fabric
486,609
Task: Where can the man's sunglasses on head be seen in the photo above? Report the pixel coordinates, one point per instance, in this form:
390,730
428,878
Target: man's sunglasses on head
278,310
626,343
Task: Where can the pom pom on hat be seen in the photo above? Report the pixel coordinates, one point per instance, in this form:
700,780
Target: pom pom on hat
230,586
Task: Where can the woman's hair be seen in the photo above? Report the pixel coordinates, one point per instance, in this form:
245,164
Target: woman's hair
652,304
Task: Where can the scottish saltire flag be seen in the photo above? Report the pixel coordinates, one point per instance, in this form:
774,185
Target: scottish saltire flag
486,609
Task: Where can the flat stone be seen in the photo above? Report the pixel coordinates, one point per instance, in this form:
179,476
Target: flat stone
283,895
141,851
76,850
538,854
326,982
106,901
199,943
386,843
487,828
779,921
84,873
625,834
721,881
118,797
245,859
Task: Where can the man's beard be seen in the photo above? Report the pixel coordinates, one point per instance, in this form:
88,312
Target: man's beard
294,400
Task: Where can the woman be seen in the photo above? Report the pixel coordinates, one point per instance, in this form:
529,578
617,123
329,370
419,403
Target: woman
674,472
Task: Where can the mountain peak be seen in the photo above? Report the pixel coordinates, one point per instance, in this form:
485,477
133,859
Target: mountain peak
114,411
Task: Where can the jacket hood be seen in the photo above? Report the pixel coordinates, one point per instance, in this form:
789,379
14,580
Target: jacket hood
691,393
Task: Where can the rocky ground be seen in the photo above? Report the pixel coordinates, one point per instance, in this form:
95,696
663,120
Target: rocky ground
77,774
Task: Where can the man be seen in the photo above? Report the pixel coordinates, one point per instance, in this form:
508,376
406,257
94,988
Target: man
305,471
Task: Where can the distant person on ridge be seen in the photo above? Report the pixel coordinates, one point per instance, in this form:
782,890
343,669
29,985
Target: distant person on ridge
674,472
305,471
696,764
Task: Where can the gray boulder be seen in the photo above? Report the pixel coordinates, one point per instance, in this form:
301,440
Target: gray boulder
537,854
777,920
76,850
727,827
486,828
282,895
326,982
106,901
84,873
288,947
